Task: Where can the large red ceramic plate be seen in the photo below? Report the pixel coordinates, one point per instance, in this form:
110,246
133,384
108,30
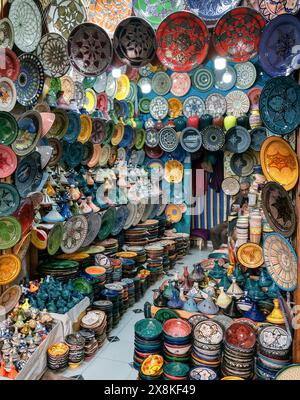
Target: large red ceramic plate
183,41
237,34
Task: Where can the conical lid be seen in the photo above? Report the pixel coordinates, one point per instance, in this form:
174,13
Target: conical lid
232,310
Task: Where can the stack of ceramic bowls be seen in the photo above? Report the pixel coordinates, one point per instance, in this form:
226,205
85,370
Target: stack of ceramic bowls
255,226
161,226
107,307
180,246
58,356
111,246
76,345
155,254
62,270
151,225
207,345
266,229
171,245
166,261
273,352
136,236
129,268
203,374
117,273
95,320
176,371
125,296
186,243
141,254
148,340
118,289
98,274
131,291
242,227
91,344
177,340
152,368
102,260
239,350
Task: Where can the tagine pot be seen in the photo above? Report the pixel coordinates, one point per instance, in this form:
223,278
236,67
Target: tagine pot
223,300
190,305
254,313
197,274
175,301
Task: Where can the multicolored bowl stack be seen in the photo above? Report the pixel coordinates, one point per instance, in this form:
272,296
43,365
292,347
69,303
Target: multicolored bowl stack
177,335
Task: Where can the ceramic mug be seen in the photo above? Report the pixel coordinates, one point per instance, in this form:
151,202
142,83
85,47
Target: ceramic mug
193,122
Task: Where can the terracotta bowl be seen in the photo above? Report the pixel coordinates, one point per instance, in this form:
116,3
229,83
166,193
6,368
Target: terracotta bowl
177,328
241,335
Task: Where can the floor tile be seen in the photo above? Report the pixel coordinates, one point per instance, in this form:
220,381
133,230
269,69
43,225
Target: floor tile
119,351
103,369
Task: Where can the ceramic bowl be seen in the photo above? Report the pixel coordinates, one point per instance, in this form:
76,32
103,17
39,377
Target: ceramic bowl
177,341
47,122
241,336
176,370
148,328
178,350
177,328
95,271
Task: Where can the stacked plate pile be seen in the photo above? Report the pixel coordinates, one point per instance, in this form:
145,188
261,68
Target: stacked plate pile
129,268
76,345
238,356
118,289
111,246
177,340
125,295
151,225
98,277
141,254
95,320
117,270
90,345
59,269
180,246
171,245
107,307
136,236
131,291
273,353
58,356
148,340
105,262
166,261
113,296
161,227
207,346
155,254
152,368
203,374
242,227
137,288
176,371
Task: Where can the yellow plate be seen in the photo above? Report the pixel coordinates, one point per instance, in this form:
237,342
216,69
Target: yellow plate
250,255
173,213
232,378
173,171
96,156
126,254
10,267
90,103
73,257
86,128
175,107
279,162
118,134
152,365
58,349
123,87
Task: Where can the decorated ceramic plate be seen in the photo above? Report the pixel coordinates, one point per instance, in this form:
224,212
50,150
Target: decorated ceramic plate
123,87
281,261
173,171
279,105
132,209
238,103
75,232
10,64
27,140
271,9
94,226
53,54
65,15
105,154
208,332
118,134
192,106
10,298
238,139
242,164
173,213
250,255
108,14
181,84
191,139
159,108
26,19
7,35
8,128
279,162
203,79
225,79
8,162
10,267
258,136
100,83
244,23
86,128
56,146
175,107
290,373
31,79
8,94
161,83
90,49
29,174
144,105
156,11
72,154
108,222
90,101
68,87
111,86
140,139
74,127
230,186
135,42
278,209
183,41
168,139
245,75
55,238
254,95
10,232
215,105
60,126
9,199
213,138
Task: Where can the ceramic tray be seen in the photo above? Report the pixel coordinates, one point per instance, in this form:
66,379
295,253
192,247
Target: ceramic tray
75,232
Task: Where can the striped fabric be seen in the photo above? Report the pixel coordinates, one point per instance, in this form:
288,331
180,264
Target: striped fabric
211,208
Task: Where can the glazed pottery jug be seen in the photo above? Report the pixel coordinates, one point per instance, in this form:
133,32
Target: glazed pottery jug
223,299
276,316
208,307
229,122
190,305
254,119
254,313
235,290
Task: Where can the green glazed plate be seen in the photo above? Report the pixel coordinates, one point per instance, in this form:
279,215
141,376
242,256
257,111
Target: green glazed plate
110,127
82,286
164,314
108,222
148,328
140,139
10,232
9,199
55,237
176,369
144,105
8,128
60,264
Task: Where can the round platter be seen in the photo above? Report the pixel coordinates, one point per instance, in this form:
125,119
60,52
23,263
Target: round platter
279,105
230,186
10,298
159,108
238,139
192,106
250,255
238,103
245,75
191,140
75,232
225,79
94,226
8,161
8,95
244,23
215,105
270,9
26,20
9,199
258,136
10,232
203,79
26,142
29,174
8,128
168,139
7,35
10,64
55,237
90,49
183,41
161,83
10,267
281,261
279,162
278,209
213,138
242,164
181,84
290,373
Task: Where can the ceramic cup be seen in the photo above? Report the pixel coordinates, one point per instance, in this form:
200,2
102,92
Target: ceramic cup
193,122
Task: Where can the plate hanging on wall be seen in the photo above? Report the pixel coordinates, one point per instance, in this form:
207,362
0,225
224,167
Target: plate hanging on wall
8,162
156,11
270,9
238,139
213,138
203,79
9,199
10,64
8,95
75,232
242,164
7,35
29,174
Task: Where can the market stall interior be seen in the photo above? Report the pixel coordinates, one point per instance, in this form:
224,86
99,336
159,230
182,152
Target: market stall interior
148,178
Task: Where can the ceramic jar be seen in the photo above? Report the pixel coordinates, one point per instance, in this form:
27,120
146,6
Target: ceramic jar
255,224
254,119
193,122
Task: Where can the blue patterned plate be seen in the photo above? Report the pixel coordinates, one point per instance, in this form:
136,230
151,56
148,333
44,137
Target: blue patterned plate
279,105
9,199
238,139
242,164
258,135
73,128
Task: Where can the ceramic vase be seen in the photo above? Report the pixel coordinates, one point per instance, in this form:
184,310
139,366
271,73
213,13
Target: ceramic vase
254,119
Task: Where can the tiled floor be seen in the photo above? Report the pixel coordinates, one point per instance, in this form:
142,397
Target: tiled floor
113,361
